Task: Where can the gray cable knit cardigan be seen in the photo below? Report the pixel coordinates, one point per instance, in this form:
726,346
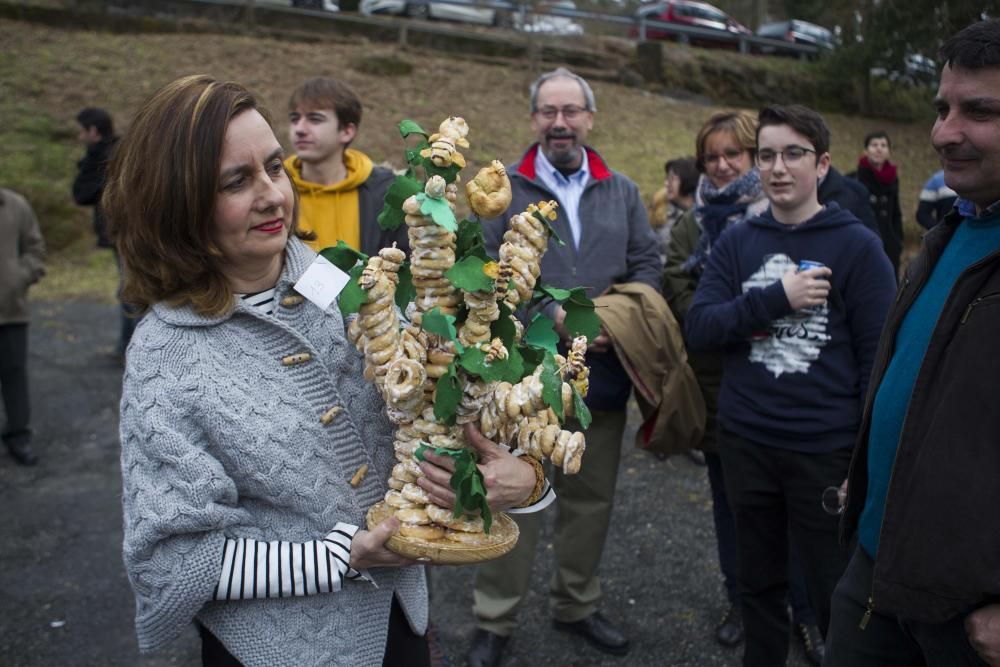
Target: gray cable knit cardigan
220,439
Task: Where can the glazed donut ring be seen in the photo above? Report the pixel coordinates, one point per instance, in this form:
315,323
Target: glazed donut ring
380,359
396,484
415,494
549,436
443,517
428,533
446,441
419,271
435,371
432,283
471,539
411,206
559,450
395,499
413,517
428,428
404,379
407,471
437,355
574,454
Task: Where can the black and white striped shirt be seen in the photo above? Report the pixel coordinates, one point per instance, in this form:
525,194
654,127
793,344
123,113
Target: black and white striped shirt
252,569
262,301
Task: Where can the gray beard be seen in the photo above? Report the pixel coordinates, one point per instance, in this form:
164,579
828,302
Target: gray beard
566,160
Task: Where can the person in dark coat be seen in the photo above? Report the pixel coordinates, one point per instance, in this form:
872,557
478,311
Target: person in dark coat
97,134
850,195
878,175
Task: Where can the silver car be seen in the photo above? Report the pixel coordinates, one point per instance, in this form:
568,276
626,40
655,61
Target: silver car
465,11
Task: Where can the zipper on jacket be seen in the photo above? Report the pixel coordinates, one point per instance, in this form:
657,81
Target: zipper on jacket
976,302
869,608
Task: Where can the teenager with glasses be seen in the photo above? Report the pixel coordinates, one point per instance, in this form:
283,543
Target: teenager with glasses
797,346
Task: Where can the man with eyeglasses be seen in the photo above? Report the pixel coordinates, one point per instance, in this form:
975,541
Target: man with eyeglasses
602,221
795,299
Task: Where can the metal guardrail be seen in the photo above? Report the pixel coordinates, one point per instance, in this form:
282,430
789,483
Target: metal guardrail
684,33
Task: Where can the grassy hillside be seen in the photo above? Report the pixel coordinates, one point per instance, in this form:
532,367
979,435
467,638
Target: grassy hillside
48,74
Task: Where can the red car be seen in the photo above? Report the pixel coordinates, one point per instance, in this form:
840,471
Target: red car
691,14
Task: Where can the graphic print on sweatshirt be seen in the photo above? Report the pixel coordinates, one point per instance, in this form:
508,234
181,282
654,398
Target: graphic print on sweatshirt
793,342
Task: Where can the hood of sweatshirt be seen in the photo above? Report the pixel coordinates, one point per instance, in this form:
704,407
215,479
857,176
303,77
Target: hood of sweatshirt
359,168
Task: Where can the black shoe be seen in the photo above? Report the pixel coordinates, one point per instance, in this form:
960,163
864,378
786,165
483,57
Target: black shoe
812,642
730,631
599,632
22,452
486,650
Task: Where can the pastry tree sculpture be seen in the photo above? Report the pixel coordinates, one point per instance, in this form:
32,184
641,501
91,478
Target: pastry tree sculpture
442,345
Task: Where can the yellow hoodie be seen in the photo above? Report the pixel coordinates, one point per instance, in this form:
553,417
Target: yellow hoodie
332,210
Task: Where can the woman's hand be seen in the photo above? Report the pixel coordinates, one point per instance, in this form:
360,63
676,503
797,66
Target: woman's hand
368,547
509,481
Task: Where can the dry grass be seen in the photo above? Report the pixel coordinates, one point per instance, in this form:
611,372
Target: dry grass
47,75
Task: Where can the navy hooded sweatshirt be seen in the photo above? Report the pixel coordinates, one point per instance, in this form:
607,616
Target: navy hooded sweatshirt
793,379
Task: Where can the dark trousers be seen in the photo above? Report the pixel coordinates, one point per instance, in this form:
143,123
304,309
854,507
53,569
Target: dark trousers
776,494
127,319
14,381
403,648
888,641
725,538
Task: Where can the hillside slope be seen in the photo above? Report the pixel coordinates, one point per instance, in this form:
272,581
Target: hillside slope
48,74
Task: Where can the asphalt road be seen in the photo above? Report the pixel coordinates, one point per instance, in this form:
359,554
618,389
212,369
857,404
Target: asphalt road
65,600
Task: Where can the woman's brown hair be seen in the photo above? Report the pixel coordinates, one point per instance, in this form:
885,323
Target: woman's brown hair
741,124
161,192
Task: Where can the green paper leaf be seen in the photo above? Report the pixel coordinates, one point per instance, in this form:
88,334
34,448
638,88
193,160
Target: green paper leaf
402,188
469,240
552,385
405,291
548,225
447,173
532,356
554,293
468,275
408,127
447,395
581,320
343,256
473,360
541,333
512,368
439,210
580,409
442,325
466,481
352,297
503,327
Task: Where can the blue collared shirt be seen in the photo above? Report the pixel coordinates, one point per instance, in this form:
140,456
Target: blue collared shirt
968,209
568,190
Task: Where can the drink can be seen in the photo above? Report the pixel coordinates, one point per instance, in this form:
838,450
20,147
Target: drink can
806,264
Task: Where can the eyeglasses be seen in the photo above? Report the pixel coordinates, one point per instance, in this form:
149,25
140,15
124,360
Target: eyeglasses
732,155
569,112
791,156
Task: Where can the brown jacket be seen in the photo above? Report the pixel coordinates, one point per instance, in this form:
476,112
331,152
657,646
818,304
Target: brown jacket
22,256
649,345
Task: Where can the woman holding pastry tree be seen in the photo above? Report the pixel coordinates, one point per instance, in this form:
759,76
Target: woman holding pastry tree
251,445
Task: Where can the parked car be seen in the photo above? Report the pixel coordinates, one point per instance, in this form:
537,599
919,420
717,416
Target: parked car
691,14
917,70
464,11
548,24
796,32
324,5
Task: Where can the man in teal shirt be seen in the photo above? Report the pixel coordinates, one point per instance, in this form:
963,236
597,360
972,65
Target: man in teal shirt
923,586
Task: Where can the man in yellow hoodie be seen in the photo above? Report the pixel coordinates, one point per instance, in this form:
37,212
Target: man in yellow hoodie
340,190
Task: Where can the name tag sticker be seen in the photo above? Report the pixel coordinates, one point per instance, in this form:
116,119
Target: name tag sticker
322,282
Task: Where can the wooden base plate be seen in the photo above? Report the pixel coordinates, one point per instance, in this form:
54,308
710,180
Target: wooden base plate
501,539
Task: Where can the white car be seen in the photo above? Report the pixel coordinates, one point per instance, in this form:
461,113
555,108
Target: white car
464,11
548,23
